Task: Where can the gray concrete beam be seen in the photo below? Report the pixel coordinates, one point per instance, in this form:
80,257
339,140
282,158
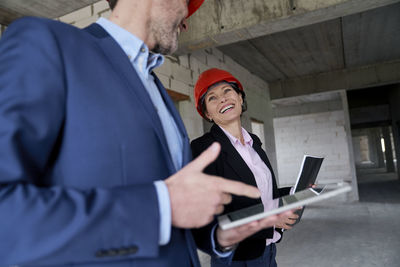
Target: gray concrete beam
370,114
221,22
346,79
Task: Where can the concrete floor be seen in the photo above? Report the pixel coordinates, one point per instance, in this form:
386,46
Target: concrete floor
365,233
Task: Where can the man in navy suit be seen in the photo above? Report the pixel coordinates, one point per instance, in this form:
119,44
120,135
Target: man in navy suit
92,150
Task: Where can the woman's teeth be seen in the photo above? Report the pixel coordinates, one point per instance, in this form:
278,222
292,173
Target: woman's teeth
226,108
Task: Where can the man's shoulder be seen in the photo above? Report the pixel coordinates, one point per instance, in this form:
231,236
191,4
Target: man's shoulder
34,32
41,24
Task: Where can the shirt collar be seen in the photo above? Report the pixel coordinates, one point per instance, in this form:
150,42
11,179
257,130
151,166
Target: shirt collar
136,50
246,136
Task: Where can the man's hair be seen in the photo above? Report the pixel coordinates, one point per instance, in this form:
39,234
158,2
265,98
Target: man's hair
112,3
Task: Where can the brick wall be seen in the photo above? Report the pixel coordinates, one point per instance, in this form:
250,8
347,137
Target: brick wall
87,15
2,29
321,134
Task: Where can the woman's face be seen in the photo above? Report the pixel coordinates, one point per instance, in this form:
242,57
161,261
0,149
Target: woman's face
223,104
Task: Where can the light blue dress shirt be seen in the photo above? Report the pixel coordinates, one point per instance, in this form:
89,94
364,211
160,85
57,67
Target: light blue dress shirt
144,62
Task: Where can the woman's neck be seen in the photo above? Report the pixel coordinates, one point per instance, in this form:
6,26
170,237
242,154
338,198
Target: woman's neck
235,129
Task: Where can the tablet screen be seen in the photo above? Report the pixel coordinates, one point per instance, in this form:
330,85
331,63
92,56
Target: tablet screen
246,212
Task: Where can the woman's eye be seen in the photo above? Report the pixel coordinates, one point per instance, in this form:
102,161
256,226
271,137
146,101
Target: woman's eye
227,90
211,98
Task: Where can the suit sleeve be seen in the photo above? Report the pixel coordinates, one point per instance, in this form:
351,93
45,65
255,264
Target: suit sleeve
202,236
43,224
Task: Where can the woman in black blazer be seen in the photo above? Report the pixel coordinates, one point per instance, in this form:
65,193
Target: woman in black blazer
220,99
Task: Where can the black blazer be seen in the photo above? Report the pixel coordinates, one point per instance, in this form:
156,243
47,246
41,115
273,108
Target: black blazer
230,165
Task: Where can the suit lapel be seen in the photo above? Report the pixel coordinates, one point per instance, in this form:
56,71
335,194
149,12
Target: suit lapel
233,157
125,70
187,154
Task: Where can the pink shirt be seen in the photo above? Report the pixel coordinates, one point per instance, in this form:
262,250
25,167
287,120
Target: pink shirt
260,171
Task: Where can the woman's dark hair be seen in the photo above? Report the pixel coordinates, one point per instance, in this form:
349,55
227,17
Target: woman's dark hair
235,87
112,3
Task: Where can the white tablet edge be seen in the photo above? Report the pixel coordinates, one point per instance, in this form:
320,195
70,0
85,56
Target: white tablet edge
225,223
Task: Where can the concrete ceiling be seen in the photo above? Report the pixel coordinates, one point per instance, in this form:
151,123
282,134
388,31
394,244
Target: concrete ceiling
352,41
13,9
305,99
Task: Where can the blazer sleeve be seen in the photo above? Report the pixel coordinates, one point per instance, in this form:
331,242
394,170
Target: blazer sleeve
202,236
45,224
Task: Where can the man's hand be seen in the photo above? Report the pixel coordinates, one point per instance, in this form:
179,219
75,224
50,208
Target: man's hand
196,197
226,238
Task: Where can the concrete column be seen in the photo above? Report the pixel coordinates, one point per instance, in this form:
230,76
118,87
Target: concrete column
357,149
347,128
373,151
388,149
396,135
395,110
378,145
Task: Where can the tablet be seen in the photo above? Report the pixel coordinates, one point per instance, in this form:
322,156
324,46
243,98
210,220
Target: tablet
299,199
307,176
308,172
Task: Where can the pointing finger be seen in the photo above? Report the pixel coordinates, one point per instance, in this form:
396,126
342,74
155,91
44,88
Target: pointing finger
237,188
205,158
226,199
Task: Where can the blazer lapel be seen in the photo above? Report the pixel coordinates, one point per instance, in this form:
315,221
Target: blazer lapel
232,157
187,154
123,67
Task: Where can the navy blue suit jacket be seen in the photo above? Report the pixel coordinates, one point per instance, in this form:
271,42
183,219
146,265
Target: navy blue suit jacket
80,146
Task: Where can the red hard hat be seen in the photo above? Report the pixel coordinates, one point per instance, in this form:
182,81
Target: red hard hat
208,78
192,6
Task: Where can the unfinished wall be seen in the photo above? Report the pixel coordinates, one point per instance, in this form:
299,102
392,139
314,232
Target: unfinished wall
313,129
87,15
2,29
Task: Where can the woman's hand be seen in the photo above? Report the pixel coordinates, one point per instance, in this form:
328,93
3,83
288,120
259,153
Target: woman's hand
287,222
226,238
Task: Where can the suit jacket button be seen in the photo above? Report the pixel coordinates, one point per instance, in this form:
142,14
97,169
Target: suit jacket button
133,249
112,252
123,251
101,253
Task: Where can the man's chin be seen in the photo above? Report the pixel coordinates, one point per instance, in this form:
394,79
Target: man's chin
164,50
